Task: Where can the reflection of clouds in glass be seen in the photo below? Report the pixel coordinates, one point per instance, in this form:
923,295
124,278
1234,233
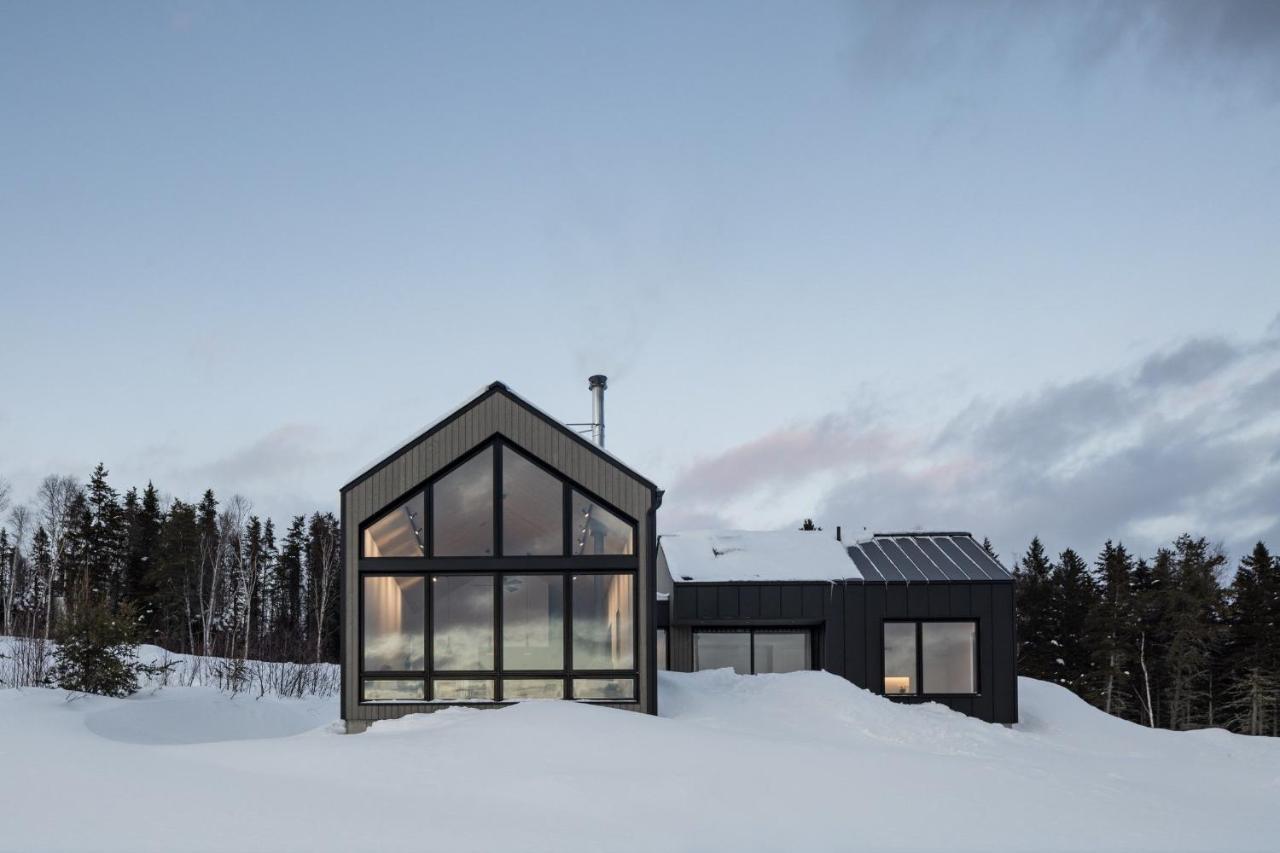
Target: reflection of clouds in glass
399,533
462,618
532,622
900,657
532,688
462,509
949,659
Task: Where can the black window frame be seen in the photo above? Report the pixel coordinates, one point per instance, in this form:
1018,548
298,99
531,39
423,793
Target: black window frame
919,673
809,630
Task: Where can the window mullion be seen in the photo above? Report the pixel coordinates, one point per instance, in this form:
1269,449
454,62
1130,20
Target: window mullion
497,497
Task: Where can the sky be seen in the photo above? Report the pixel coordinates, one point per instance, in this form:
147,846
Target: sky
1005,267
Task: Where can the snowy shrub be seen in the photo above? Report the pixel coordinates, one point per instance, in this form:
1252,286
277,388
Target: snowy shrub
97,653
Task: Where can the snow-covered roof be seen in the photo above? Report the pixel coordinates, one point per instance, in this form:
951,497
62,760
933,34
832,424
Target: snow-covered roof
756,555
492,387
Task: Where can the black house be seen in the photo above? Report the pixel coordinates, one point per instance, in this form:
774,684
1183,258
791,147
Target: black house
918,617
500,556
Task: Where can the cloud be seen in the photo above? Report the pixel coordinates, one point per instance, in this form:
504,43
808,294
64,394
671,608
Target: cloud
1231,42
1185,438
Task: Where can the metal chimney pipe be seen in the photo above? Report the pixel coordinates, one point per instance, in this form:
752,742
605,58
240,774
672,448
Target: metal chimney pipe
597,384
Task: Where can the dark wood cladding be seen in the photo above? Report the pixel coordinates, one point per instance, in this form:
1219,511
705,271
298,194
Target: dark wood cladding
849,618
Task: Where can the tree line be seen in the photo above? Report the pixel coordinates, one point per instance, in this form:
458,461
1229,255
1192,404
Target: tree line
206,578
1168,642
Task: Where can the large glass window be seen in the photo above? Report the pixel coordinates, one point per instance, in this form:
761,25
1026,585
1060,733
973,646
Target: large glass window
720,649
595,530
747,651
949,657
532,622
930,658
462,509
394,624
900,658
780,651
532,509
399,533
462,622
603,622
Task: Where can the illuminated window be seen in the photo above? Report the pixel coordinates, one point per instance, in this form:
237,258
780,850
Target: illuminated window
603,622
462,622
533,622
394,624
532,509
930,658
462,509
399,533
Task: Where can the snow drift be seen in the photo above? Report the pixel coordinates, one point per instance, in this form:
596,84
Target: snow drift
769,762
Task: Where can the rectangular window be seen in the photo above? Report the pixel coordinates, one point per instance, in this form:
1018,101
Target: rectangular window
750,651
930,658
462,622
603,622
515,689
900,658
394,690
720,649
532,622
607,689
781,651
661,662
949,657
395,624
462,690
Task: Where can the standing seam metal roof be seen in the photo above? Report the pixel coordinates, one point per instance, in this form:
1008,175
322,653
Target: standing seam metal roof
925,558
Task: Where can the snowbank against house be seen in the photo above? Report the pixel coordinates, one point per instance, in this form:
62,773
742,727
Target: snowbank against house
803,761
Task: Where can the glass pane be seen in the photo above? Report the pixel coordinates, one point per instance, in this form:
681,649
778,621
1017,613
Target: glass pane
616,689
516,689
782,652
595,530
900,658
395,610
462,622
532,509
662,648
533,622
399,533
399,690
949,652
718,649
462,690
462,509
603,630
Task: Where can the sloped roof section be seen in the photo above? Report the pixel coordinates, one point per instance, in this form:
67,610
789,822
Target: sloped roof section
925,558
755,555
478,397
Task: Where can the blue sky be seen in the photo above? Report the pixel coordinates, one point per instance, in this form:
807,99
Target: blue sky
1011,267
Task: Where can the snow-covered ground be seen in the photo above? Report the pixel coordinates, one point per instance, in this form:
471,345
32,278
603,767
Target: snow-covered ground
803,761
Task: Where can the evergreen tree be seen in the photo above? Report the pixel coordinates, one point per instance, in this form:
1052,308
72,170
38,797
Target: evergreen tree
1254,648
143,522
1073,597
990,549
97,650
290,627
1034,596
1194,616
171,617
1112,626
103,536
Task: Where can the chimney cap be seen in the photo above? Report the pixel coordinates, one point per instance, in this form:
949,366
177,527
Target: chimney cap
597,380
